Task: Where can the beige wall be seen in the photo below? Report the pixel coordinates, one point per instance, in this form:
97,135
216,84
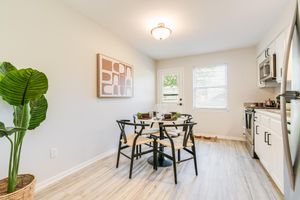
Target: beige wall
53,38
283,22
242,87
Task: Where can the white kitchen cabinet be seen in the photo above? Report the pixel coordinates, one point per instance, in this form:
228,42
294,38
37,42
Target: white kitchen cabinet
278,47
259,146
281,42
271,49
269,146
276,158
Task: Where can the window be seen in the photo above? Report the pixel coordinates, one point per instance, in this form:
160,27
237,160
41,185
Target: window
210,87
170,90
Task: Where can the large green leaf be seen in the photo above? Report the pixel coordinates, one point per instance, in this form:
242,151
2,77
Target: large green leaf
5,67
38,110
19,87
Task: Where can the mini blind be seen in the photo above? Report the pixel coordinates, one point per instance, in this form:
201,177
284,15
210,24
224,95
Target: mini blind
210,87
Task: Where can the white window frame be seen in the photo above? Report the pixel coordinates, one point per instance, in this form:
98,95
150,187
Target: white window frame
221,86
162,87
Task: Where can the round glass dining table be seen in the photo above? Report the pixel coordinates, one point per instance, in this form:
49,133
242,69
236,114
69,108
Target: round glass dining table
162,162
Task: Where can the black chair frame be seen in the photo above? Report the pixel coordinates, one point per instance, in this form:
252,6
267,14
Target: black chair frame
139,149
122,124
188,135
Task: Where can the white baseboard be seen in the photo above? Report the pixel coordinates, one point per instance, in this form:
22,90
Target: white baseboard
224,137
68,172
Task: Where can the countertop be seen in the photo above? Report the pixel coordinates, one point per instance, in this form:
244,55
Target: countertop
273,113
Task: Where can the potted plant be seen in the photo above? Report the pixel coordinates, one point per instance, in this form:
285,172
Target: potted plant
24,90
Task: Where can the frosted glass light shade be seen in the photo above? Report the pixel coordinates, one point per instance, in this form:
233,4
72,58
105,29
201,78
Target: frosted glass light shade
161,32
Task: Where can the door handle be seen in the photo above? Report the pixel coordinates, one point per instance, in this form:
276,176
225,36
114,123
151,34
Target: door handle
290,95
268,139
256,132
265,136
267,52
180,104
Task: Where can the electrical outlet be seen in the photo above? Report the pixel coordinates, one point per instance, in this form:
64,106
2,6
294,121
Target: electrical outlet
53,153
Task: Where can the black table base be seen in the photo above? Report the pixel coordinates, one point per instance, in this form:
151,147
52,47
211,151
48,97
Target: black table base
161,162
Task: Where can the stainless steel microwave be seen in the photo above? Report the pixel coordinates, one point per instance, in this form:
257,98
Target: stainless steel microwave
267,68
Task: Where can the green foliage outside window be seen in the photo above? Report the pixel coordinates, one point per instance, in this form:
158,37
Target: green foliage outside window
170,80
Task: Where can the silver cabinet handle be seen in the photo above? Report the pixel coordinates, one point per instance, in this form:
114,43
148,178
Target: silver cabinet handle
265,136
268,139
256,131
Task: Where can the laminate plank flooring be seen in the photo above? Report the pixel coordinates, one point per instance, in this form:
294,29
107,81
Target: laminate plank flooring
226,172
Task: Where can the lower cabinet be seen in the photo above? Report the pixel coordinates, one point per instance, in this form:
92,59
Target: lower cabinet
259,141
276,159
269,146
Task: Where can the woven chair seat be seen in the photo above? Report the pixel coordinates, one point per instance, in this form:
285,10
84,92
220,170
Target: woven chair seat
140,140
175,132
172,133
149,131
178,143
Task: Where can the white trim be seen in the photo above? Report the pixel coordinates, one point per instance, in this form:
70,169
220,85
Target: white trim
224,137
58,177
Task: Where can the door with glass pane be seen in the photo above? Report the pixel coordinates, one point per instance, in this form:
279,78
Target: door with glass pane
170,90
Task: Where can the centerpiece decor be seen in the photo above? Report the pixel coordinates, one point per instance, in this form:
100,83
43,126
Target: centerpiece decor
143,115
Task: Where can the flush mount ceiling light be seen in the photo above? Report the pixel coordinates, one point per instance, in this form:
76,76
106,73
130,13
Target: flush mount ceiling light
161,32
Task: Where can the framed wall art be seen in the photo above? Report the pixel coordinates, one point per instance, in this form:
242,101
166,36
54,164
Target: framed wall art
114,77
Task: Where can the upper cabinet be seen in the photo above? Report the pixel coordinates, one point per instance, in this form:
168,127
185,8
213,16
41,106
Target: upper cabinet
277,47
280,47
281,42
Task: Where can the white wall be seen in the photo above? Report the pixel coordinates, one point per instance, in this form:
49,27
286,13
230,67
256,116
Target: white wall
53,38
242,87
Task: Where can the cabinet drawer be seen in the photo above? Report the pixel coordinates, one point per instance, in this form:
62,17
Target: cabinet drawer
265,121
257,117
275,126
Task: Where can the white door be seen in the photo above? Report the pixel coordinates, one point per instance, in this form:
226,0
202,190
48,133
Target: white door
170,90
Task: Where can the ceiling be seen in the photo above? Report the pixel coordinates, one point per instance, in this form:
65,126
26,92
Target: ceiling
199,26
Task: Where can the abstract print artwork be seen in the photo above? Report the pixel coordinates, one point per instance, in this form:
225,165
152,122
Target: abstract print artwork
114,78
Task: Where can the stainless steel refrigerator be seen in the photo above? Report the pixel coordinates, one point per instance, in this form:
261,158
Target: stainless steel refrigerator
291,138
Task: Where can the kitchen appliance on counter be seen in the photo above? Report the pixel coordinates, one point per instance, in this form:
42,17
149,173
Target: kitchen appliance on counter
270,103
249,118
291,136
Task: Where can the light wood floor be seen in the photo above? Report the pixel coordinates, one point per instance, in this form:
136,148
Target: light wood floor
226,172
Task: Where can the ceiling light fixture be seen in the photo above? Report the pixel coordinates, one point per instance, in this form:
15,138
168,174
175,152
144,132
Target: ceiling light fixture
161,32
